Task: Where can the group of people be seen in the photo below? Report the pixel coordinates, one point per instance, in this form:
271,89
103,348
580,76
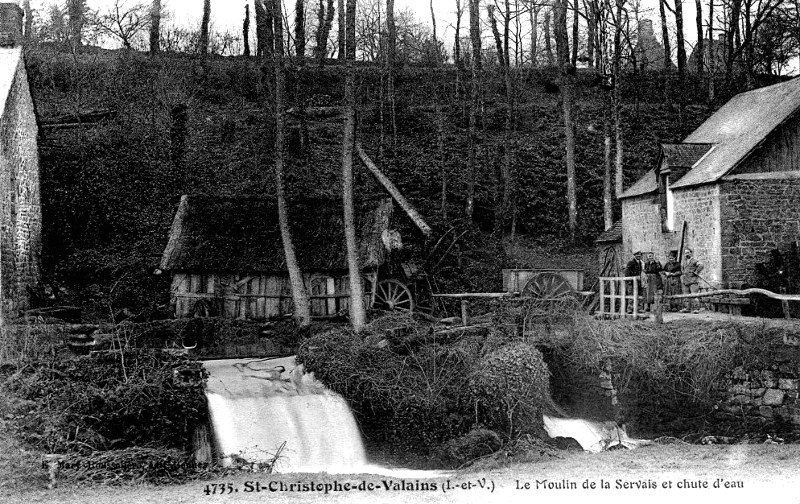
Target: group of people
673,277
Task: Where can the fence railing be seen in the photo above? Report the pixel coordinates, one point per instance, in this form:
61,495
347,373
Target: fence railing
619,297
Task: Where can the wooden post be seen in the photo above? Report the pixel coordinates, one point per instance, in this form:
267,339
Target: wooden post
623,310
464,317
602,297
785,305
636,298
659,308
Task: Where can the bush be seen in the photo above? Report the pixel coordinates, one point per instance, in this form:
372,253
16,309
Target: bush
112,401
512,386
416,397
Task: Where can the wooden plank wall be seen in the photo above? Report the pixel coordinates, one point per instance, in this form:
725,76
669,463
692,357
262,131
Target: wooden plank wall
264,296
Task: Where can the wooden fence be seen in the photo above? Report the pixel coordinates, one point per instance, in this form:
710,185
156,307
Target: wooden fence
619,297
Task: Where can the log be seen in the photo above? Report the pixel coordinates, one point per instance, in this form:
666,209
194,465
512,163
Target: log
466,295
392,189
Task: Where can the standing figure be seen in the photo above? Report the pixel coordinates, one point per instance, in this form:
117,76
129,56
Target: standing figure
635,268
672,279
652,269
690,279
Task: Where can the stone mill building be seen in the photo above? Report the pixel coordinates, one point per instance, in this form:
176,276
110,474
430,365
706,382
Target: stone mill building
734,184
20,207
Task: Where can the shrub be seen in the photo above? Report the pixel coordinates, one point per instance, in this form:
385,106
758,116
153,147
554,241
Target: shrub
415,396
112,401
511,384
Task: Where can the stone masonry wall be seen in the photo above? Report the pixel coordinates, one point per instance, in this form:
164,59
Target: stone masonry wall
757,217
698,206
20,206
769,393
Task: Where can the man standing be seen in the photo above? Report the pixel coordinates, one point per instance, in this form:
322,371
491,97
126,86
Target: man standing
672,279
690,279
634,268
652,269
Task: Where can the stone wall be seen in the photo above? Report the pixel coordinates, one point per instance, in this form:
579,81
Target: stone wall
20,207
769,394
698,206
757,217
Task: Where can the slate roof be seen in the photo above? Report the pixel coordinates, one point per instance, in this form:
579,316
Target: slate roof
241,234
739,127
678,157
726,138
612,234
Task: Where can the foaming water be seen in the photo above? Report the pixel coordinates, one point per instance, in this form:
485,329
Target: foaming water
260,408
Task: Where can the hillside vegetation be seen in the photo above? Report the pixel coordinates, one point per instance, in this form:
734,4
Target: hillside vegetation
110,189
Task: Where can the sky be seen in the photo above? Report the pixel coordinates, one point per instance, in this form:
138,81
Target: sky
226,15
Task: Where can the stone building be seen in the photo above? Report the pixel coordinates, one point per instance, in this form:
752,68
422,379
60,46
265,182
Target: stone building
734,183
20,207
719,56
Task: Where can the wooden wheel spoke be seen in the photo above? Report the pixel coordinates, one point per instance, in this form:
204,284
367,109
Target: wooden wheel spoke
393,295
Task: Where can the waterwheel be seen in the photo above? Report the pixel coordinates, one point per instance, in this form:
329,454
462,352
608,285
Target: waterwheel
393,295
547,286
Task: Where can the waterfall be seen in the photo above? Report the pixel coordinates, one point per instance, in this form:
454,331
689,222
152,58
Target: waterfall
260,408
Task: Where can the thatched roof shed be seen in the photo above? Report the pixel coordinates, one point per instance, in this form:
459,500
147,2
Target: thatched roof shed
241,234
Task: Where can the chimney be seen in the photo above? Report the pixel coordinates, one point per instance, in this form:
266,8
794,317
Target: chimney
11,16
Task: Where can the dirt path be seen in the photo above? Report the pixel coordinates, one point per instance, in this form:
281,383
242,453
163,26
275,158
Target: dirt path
671,473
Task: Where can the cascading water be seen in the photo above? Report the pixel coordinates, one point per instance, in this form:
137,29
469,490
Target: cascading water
262,407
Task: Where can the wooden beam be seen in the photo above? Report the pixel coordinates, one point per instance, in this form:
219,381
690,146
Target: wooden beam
783,297
392,189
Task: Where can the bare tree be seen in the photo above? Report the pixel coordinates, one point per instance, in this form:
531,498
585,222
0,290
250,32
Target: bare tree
155,27
26,7
667,52
204,27
475,40
566,72
391,52
548,48
246,30
324,25
300,29
76,11
342,30
618,175
358,317
302,310
124,21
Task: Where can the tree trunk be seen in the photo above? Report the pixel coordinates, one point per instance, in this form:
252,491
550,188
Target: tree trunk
324,25
76,10
548,48
246,30
261,28
618,175
698,48
575,20
712,63
302,309
342,32
475,37
391,28
591,25
667,53
155,27
358,317
26,7
300,30
608,202
457,41
204,27
681,49
534,15
566,71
